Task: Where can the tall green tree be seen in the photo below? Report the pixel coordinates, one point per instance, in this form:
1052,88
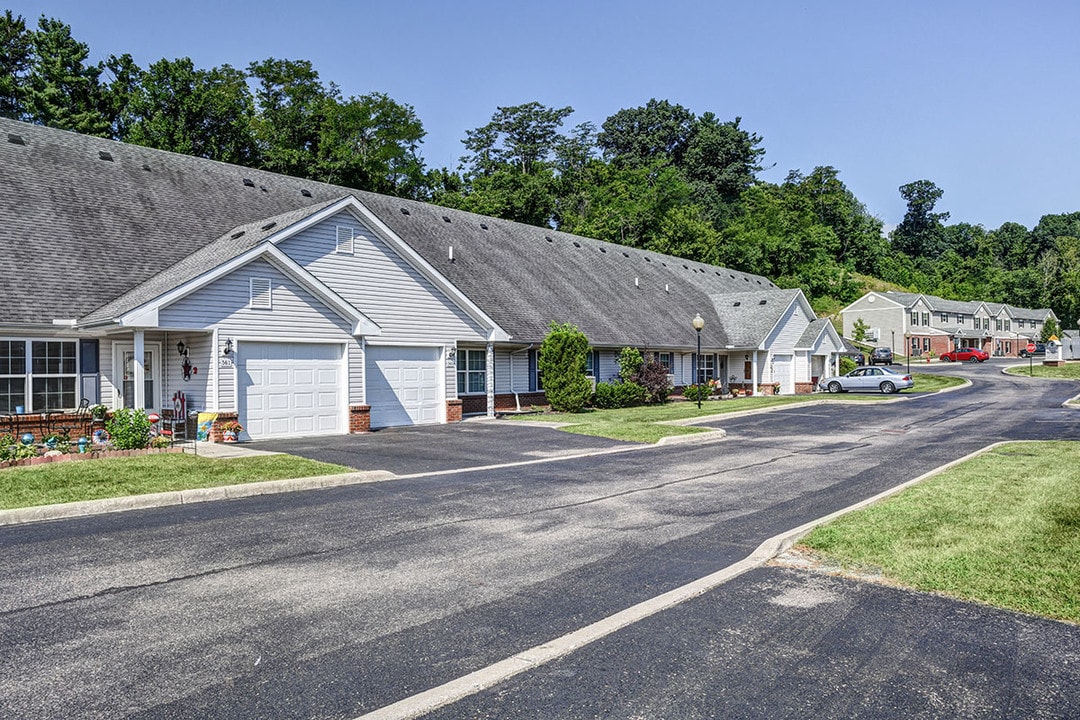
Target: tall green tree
206,113
658,130
372,143
921,232
61,90
291,105
16,43
524,137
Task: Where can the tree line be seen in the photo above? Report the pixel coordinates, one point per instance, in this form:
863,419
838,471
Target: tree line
658,176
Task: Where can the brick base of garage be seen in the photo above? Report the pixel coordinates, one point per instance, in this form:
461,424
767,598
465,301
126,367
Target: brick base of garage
504,402
216,435
453,411
359,419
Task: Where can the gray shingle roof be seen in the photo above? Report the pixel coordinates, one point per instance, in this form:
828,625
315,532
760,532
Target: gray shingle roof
90,238
812,332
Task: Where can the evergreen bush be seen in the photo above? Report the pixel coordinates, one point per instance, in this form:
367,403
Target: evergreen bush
561,362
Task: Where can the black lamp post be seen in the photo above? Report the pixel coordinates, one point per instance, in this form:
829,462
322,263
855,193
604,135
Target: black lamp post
698,323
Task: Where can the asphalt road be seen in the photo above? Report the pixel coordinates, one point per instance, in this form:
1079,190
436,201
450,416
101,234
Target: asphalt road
334,603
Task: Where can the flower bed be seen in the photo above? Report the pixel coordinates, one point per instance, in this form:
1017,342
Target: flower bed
53,456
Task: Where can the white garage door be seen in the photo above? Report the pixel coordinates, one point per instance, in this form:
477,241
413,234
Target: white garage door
291,389
403,385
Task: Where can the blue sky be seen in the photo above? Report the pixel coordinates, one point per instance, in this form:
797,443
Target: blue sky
982,98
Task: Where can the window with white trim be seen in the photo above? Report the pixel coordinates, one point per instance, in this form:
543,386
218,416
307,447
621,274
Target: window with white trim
344,244
471,371
706,368
914,318
666,359
260,294
926,318
39,375
944,317
997,323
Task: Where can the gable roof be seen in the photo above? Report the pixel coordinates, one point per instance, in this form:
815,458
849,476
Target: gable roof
127,223
747,318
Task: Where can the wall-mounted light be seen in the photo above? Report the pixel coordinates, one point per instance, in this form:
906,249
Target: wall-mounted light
181,349
228,346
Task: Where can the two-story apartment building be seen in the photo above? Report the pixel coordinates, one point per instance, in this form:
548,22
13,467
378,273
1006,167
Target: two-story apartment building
923,324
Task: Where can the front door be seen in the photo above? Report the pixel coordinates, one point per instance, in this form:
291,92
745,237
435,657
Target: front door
152,368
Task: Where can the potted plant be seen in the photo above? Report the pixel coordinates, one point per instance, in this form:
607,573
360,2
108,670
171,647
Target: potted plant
230,431
98,413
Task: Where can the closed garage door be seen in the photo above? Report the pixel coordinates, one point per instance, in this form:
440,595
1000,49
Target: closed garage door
291,389
403,385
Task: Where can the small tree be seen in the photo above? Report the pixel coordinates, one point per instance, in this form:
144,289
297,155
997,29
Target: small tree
653,377
1050,327
846,365
859,330
630,363
562,364
128,429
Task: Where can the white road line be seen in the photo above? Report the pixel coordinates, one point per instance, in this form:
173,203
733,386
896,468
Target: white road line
422,703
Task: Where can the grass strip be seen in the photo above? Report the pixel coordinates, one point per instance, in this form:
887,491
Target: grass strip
639,424
1002,529
1068,371
118,477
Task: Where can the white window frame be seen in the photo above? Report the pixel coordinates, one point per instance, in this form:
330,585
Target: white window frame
464,374
29,376
706,370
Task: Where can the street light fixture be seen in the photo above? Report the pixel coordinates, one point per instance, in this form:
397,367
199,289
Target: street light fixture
698,323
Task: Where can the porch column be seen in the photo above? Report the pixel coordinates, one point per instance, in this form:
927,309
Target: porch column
140,369
490,379
753,373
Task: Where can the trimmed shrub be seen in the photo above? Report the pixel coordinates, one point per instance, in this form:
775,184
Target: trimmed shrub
630,362
697,392
846,365
128,429
618,395
561,362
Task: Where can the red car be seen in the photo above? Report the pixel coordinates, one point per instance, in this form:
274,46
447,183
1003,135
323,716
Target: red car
965,355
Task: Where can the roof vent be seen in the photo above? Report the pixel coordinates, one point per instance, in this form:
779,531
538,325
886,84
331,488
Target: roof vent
636,282
237,234
685,267
446,218
648,259
746,279
762,302
15,139
263,188
404,211
269,225
451,253
577,244
603,250
717,273
737,304
483,226
248,182
626,254
305,192
548,238
731,276
104,155
758,282
146,167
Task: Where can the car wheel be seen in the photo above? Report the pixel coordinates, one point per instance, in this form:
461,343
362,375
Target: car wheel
835,387
973,359
888,388
946,358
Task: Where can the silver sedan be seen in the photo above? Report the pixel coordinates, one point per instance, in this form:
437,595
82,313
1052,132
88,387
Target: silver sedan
868,379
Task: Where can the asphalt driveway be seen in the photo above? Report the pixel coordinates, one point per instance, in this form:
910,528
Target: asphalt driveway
435,448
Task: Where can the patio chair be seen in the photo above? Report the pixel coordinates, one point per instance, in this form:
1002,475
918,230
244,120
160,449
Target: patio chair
79,421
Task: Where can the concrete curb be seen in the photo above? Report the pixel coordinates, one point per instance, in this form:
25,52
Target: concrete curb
62,511
487,677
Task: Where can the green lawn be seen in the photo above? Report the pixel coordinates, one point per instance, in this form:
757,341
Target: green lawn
63,482
1069,371
639,424
1002,529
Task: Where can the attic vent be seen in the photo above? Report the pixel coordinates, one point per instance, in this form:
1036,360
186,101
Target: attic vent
238,233
603,250
483,226
404,211
269,225
746,279
344,244
248,182
685,267
762,302
263,188
15,139
758,282
731,276
104,155
305,192
626,254
446,218
577,244
147,167
648,259
548,238
717,274
260,293
736,304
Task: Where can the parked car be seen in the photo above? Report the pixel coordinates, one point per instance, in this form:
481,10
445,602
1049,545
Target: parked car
968,354
1040,349
881,356
873,379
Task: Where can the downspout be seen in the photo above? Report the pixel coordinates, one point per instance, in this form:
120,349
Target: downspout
513,388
